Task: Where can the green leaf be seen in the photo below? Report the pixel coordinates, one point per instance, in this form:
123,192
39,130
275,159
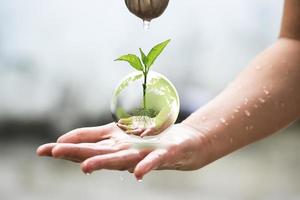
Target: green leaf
133,60
155,52
144,57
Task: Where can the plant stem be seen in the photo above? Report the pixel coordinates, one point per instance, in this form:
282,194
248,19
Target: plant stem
145,89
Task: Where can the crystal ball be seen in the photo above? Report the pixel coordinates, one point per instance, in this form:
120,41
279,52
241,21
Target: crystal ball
145,109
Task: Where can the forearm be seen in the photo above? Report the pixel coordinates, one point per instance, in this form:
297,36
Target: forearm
264,98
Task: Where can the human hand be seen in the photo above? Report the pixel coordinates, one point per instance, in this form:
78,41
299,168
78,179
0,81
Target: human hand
134,125
108,147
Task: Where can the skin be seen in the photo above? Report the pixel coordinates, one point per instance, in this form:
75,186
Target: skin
264,98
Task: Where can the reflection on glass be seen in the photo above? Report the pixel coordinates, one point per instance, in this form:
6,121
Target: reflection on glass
147,114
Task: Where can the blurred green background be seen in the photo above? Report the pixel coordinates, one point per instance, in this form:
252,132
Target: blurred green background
57,73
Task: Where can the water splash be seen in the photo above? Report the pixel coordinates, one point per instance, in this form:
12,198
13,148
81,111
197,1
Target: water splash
146,25
247,113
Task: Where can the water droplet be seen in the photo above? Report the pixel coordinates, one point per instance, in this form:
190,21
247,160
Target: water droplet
261,100
203,118
248,128
215,136
236,110
266,92
255,106
239,107
246,101
146,25
217,125
140,180
271,66
121,178
222,120
258,67
231,140
232,117
87,174
207,129
247,113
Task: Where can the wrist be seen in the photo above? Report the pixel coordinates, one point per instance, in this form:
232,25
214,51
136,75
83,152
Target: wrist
200,143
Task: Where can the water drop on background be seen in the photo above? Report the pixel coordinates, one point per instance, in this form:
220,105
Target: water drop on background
146,25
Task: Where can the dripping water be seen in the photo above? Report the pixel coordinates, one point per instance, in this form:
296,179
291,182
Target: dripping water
146,25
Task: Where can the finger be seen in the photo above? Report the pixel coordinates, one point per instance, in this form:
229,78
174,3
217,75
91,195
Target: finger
148,132
124,127
86,135
135,131
46,149
126,121
152,161
121,160
80,152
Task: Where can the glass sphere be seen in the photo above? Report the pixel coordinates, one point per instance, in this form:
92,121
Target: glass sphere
145,109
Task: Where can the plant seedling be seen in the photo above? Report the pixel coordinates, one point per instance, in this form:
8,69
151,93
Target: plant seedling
143,64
